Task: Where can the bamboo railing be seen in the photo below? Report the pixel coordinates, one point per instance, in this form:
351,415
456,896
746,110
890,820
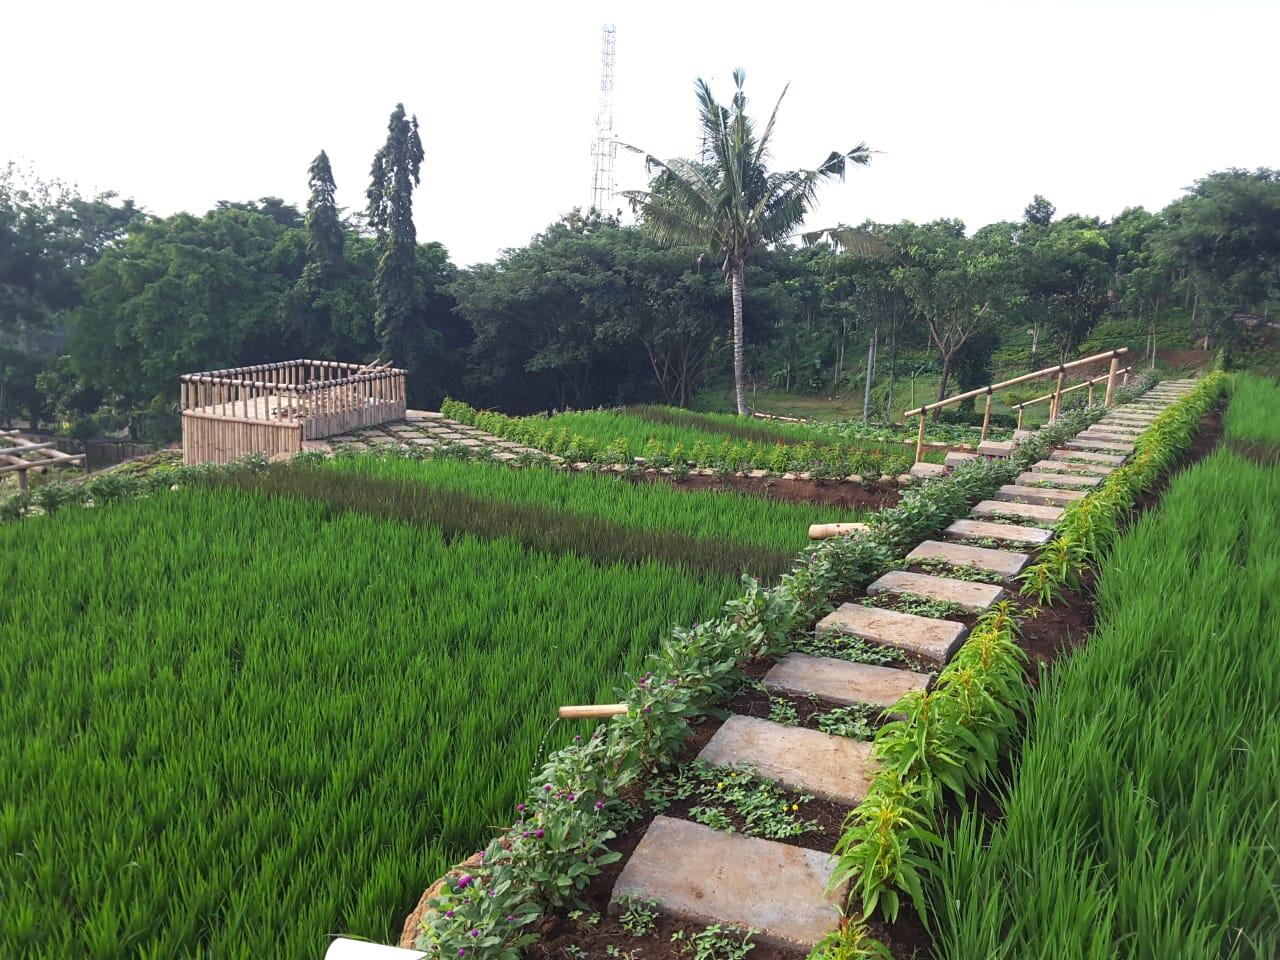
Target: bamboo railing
19,454
1055,398
989,390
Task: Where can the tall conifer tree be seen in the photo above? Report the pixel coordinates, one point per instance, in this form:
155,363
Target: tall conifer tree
393,177
325,237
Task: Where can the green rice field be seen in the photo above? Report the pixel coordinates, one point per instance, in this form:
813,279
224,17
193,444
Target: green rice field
746,518
235,724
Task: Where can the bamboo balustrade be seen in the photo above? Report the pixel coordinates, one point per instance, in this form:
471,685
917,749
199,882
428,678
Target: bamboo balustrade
271,408
1055,398
988,391
20,454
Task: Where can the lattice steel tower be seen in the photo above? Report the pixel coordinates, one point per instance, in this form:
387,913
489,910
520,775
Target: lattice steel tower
604,149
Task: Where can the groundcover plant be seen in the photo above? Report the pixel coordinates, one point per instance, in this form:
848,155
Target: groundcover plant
243,723
1141,818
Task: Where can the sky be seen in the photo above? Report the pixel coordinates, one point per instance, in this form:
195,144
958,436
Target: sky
972,107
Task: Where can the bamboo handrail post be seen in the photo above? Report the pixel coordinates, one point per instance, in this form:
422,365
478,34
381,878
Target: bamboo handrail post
986,417
1020,407
1057,394
1111,381
920,438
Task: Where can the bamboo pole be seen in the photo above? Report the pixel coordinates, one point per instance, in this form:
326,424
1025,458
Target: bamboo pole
1057,394
595,710
1111,381
920,438
825,531
986,417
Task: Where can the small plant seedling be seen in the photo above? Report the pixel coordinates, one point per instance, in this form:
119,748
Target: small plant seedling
783,711
639,918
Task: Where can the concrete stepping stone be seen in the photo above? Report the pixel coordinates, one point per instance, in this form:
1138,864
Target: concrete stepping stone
1114,431
971,596
1003,562
1066,466
1130,418
925,637
703,875
1006,508
957,457
1042,495
807,761
1087,456
842,681
1083,442
1031,478
996,448
1009,532
927,471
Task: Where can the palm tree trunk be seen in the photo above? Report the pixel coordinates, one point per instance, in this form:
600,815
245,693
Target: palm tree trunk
736,283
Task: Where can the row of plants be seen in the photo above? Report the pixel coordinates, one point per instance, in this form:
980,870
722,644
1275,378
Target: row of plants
1251,425
538,526
619,437
234,723
1141,820
1089,525
559,840
747,518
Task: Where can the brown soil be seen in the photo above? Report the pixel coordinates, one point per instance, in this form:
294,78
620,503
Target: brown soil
832,493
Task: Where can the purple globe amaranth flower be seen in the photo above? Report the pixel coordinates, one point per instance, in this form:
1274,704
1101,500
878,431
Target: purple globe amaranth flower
449,914
520,808
475,932
599,804
465,881
462,951
539,833
546,788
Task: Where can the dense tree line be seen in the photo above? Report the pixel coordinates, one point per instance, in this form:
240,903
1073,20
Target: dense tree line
102,306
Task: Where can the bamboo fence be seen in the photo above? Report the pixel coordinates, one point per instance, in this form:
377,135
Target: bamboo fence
271,408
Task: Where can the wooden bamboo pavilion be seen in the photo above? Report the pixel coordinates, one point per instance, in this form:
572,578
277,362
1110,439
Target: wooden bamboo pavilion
272,408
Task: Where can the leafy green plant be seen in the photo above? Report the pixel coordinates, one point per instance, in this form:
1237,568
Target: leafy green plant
853,721
638,917
716,942
851,940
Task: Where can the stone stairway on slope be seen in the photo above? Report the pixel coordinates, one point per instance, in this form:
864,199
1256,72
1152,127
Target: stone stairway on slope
701,874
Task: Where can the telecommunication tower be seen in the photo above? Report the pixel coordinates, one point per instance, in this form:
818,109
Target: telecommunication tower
604,149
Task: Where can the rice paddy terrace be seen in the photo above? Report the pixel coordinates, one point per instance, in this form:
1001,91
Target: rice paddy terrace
273,704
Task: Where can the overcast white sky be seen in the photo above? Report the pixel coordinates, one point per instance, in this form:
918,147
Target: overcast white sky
975,106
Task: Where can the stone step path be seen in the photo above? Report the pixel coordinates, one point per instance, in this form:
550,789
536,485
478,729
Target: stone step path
972,596
1087,456
1031,478
704,875
806,761
927,637
842,681
1007,508
1045,496
1007,532
1086,443
1068,466
1003,562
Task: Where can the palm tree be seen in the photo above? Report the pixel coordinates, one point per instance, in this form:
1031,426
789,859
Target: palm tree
731,202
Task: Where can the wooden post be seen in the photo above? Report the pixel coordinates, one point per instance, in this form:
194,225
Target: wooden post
986,416
920,440
1111,381
22,481
1091,391
1020,416
1057,396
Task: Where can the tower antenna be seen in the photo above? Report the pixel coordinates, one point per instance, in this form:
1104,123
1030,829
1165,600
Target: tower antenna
604,149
